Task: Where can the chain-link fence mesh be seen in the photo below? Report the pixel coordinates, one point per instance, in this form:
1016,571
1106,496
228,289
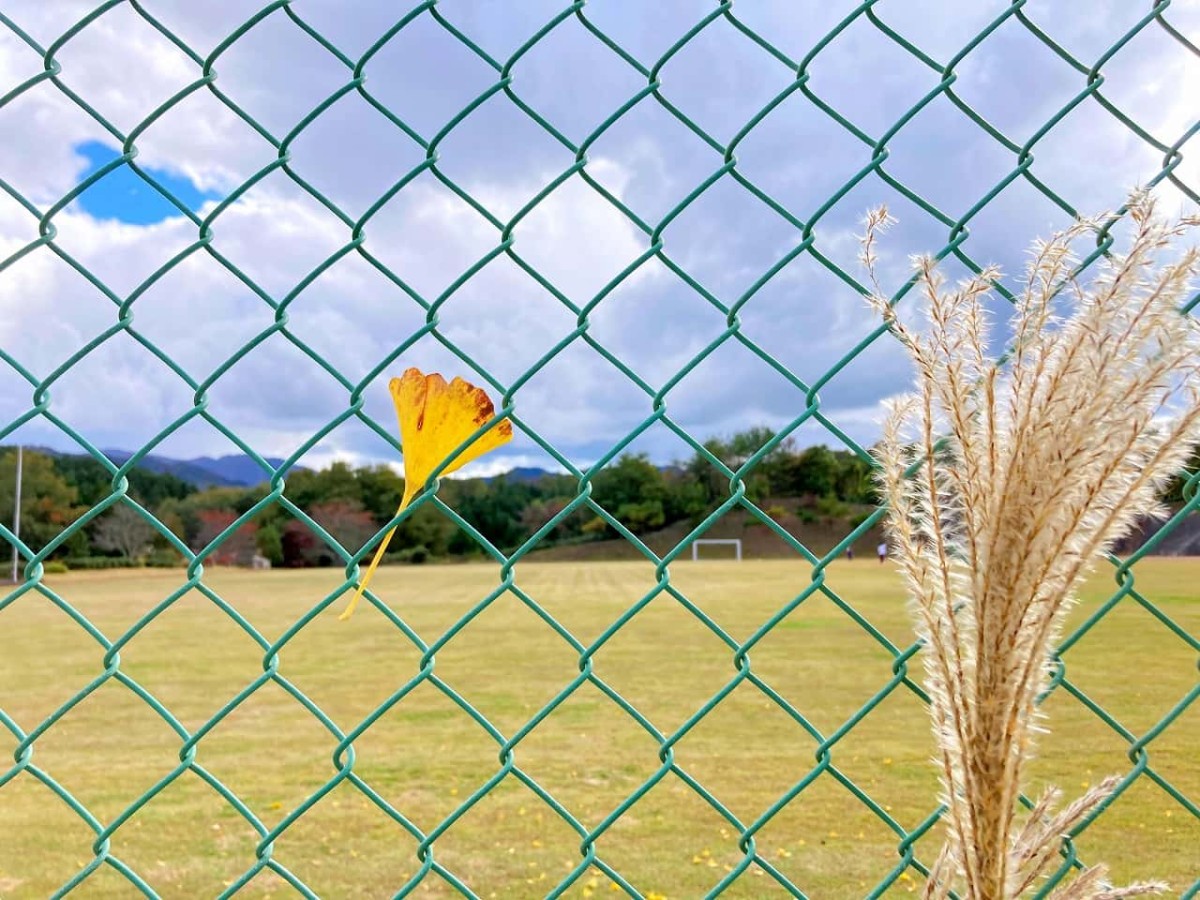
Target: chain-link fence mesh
654,78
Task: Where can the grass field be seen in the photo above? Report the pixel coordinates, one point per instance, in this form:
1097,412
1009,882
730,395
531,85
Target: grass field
426,756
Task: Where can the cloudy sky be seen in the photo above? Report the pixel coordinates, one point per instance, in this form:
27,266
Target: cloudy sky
501,322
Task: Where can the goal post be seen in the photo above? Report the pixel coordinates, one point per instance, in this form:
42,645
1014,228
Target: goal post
736,542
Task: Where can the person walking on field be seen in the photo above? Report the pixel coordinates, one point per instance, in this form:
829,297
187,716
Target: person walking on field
882,551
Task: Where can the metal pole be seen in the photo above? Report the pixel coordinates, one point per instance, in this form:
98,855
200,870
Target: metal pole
17,513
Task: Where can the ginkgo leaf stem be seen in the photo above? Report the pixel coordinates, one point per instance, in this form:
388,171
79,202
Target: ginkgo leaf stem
383,545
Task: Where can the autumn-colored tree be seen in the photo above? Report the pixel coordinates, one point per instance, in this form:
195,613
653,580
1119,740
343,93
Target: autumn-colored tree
48,503
235,550
299,545
538,512
346,521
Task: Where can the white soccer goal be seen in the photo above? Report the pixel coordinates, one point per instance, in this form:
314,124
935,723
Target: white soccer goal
737,544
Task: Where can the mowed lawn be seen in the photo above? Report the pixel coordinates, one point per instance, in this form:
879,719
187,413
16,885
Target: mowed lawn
425,756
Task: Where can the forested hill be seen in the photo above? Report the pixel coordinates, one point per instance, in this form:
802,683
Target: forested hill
815,490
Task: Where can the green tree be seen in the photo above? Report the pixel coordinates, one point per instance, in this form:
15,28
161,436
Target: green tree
813,472
631,479
686,496
854,482
495,508
641,517
381,489
760,479
634,490
94,483
180,517
269,540
711,483
746,443
428,528
338,482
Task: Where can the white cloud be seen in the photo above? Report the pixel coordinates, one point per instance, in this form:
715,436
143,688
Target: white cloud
199,314
354,316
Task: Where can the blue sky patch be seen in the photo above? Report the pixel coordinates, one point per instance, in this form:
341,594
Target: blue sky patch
123,195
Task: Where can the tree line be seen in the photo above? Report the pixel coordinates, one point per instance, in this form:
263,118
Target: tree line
352,504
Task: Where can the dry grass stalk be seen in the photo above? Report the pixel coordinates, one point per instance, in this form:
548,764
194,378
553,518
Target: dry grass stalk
1006,481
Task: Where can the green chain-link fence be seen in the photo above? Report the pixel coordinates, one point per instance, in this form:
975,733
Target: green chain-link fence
506,83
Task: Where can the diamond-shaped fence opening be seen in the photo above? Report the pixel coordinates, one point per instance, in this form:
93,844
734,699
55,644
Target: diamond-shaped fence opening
637,228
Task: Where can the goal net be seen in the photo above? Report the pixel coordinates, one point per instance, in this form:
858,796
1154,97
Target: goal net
735,542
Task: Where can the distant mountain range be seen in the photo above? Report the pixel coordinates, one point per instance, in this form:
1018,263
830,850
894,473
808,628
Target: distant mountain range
238,469
522,473
235,470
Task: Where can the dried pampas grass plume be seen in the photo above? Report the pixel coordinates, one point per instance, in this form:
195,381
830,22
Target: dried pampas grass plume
1006,480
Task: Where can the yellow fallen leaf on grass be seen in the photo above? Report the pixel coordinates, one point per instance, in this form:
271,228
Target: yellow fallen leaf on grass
435,417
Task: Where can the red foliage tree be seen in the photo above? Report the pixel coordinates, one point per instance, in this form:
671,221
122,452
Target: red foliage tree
300,546
345,520
237,549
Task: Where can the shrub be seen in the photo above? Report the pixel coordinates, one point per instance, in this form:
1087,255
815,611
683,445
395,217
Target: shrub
101,562
831,507
408,556
595,527
415,555
165,559
55,568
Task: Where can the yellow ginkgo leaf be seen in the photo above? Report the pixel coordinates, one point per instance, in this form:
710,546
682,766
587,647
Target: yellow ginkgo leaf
435,418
